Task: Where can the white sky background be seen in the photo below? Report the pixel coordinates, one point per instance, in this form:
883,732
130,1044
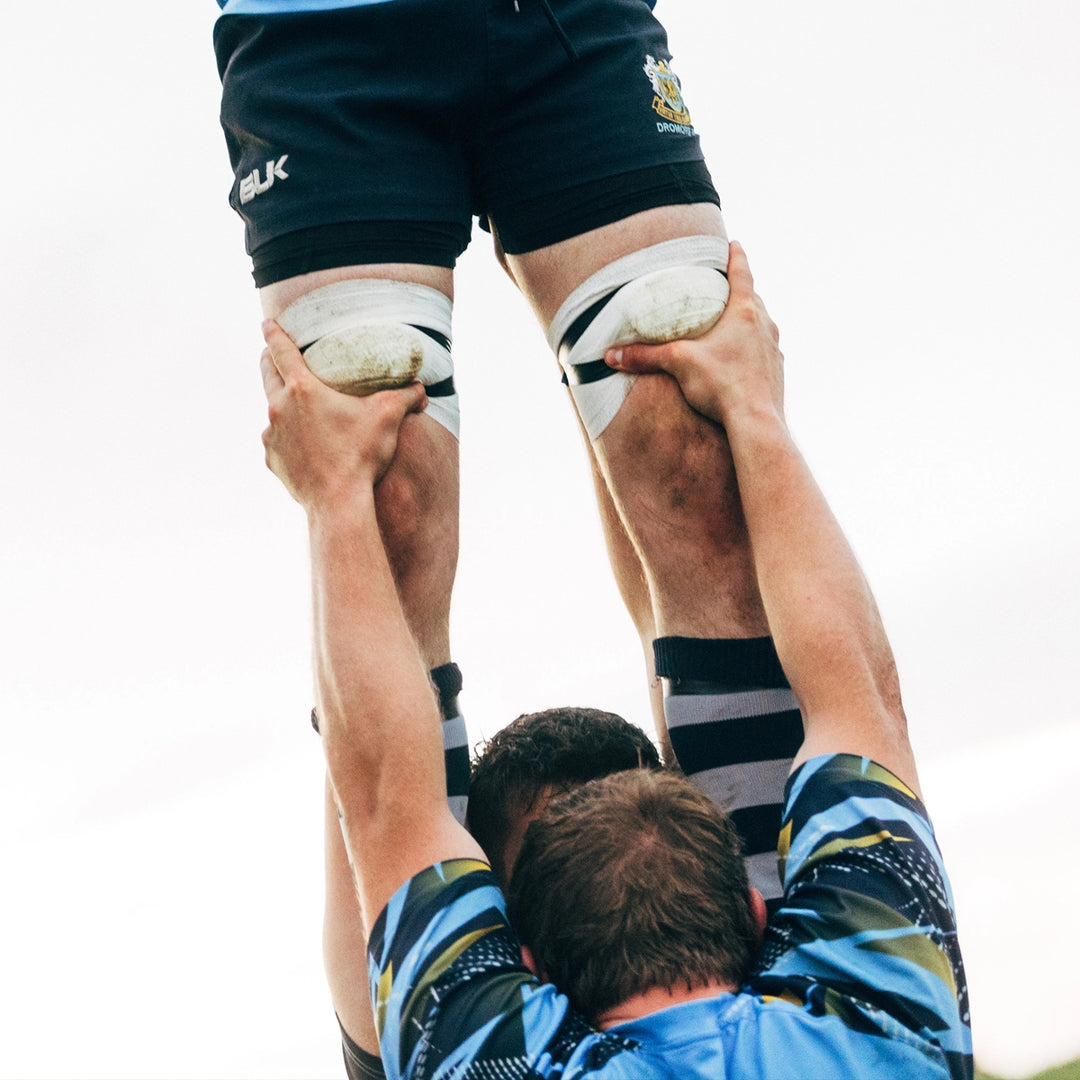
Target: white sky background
905,182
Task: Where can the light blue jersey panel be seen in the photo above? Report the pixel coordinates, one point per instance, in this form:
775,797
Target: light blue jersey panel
288,7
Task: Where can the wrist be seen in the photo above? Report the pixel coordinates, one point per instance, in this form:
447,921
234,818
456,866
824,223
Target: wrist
750,419
345,509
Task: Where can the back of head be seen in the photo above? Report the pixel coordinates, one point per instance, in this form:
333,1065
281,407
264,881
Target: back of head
631,883
540,753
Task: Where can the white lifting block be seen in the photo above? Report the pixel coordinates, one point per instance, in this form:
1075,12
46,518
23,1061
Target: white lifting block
672,290
665,305
360,336
364,359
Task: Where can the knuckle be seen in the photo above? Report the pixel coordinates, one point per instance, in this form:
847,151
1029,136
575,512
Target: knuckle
747,313
295,396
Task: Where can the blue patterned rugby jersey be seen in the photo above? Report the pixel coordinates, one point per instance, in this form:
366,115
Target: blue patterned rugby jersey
860,974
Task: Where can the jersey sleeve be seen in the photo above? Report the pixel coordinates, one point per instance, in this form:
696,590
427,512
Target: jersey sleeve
866,931
450,991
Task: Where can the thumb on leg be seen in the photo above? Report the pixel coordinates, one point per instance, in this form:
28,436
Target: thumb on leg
644,359
283,351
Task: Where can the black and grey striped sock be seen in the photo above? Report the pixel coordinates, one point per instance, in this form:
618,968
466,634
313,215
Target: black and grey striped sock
447,681
735,727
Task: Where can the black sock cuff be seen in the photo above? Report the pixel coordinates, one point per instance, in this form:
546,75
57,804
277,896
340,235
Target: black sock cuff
447,682
726,664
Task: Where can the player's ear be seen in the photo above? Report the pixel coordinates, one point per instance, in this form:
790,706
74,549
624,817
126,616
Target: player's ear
529,961
757,909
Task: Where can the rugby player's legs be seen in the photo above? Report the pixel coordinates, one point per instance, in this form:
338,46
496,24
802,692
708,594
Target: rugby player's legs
417,500
417,503
678,522
633,588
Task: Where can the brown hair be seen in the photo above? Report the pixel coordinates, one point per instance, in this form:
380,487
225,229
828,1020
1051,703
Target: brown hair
553,750
633,882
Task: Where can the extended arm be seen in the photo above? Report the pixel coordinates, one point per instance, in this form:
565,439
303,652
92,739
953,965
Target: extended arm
379,719
821,612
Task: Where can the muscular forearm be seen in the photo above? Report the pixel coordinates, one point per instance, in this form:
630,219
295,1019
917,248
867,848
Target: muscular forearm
822,615
362,644
378,716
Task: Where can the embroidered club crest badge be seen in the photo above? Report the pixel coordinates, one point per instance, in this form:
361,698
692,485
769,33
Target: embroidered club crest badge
668,101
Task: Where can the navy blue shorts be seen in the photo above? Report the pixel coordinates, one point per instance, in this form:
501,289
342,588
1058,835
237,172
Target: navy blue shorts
376,133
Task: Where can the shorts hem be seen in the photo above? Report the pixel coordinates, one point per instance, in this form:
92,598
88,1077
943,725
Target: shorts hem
540,222
358,243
